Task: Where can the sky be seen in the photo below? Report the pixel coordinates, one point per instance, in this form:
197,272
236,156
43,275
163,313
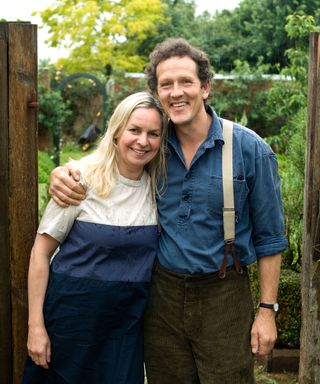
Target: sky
22,10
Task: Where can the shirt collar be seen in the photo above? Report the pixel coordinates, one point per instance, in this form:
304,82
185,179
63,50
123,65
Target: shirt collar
214,133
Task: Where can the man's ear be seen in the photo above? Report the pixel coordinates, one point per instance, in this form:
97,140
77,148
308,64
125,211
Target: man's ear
206,90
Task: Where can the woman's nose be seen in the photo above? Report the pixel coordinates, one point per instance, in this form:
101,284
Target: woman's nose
143,139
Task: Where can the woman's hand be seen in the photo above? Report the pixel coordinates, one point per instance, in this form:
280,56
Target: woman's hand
39,346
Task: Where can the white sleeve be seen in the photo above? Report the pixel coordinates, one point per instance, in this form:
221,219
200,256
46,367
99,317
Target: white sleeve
57,221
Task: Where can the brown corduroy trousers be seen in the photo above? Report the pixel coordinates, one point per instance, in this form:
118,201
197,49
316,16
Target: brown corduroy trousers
197,329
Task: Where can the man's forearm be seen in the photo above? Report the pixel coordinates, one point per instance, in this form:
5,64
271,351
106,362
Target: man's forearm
264,330
269,274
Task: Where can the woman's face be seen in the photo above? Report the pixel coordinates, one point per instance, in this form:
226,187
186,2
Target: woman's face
139,142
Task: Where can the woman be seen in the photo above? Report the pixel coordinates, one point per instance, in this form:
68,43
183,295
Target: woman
86,308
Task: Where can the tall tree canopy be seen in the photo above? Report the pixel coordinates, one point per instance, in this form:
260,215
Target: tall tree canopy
253,32
264,26
181,21
122,33
102,32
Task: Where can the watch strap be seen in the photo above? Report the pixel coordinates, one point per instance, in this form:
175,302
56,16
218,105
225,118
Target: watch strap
274,306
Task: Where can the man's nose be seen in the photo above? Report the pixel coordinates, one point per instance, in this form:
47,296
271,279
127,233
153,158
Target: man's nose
176,90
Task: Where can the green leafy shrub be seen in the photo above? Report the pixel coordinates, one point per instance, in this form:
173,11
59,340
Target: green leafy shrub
122,87
53,110
289,316
292,176
43,198
243,96
45,166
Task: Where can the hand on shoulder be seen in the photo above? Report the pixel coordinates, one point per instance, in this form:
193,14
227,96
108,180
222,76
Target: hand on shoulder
64,186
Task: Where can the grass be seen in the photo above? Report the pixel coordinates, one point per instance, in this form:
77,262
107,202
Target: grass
263,377
71,150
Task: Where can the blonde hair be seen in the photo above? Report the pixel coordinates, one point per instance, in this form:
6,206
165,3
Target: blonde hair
100,171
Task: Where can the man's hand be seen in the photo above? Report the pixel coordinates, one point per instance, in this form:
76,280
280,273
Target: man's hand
64,187
263,332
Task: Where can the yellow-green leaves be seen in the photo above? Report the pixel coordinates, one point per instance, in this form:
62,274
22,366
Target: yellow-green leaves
100,32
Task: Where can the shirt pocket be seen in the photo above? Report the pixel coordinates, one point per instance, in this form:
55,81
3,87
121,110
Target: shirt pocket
215,196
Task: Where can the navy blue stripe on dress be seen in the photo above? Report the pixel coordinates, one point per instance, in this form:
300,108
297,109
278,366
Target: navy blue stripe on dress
107,252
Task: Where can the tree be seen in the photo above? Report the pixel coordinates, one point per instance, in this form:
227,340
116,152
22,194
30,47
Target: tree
123,33
100,33
266,29
180,21
253,30
221,38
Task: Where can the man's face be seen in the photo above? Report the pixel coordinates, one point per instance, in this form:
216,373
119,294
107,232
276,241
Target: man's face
180,92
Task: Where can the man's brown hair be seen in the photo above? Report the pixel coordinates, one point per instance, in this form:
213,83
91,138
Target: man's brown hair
177,47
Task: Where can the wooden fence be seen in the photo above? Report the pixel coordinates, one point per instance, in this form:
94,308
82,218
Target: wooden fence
18,188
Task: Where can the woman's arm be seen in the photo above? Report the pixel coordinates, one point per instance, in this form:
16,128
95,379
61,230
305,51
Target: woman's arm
38,343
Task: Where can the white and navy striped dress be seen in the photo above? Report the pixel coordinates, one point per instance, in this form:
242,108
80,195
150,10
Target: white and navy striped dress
98,286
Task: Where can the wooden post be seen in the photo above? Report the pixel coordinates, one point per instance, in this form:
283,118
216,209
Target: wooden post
5,301
18,188
310,330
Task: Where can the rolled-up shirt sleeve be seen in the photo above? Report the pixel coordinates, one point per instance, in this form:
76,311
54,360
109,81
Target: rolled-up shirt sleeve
265,206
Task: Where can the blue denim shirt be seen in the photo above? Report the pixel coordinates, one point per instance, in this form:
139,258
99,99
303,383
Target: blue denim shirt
190,209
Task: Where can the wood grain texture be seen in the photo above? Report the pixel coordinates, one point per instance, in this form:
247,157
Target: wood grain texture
19,189
310,332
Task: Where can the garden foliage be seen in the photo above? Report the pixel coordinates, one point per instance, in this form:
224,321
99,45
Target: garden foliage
248,43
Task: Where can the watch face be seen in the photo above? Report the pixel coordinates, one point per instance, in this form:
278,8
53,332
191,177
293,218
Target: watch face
276,307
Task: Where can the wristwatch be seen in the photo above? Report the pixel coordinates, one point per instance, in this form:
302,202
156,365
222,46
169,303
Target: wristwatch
274,307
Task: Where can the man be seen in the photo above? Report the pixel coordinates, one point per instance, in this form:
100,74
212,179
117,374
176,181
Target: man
199,325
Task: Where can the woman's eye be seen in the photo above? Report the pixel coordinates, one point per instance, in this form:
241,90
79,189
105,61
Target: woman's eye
165,85
134,130
155,134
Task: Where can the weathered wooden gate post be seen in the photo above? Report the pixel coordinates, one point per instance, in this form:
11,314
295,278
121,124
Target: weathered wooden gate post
18,188
310,331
